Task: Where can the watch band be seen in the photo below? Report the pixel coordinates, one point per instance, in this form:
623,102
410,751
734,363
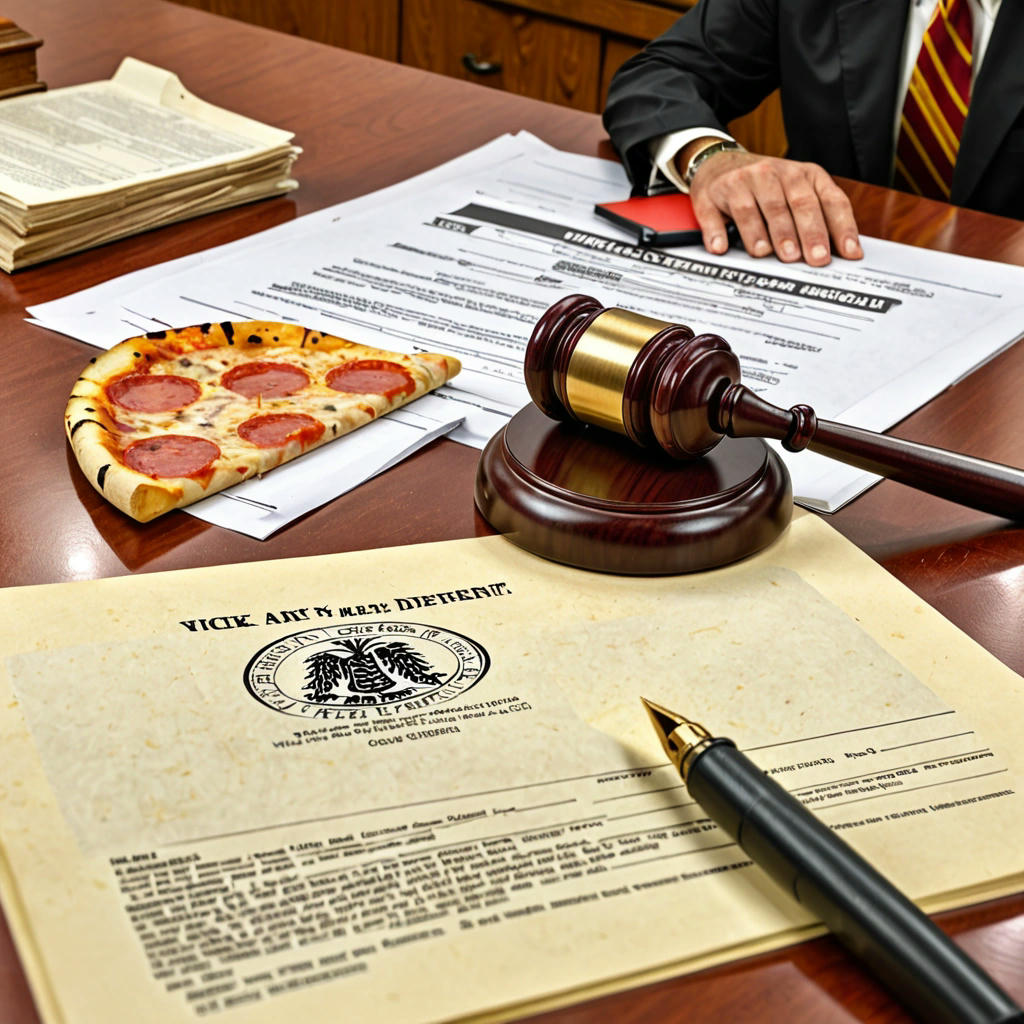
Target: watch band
718,146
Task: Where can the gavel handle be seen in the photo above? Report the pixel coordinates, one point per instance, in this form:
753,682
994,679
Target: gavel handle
987,486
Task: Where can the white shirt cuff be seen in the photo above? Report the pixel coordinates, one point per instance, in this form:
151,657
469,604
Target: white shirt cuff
663,152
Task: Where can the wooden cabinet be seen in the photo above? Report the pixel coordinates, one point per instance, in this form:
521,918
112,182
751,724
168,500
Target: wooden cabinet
562,51
505,48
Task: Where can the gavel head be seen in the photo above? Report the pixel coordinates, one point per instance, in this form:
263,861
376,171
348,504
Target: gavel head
653,381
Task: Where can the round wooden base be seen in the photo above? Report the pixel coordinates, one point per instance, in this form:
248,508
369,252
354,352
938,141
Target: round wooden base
580,495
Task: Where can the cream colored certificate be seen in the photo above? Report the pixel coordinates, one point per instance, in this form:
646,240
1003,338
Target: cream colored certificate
419,783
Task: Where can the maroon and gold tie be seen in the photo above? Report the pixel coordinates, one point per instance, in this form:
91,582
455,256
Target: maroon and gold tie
936,105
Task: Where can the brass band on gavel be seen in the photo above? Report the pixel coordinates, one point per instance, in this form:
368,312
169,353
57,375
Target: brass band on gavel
596,378
648,379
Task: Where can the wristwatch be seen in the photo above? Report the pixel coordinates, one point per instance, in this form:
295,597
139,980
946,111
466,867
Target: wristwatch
718,146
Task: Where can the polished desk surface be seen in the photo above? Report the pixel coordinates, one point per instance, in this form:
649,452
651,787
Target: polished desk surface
364,124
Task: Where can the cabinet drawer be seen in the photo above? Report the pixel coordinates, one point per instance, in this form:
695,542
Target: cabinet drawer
507,49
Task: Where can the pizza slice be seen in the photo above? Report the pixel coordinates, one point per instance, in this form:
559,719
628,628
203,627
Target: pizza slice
160,421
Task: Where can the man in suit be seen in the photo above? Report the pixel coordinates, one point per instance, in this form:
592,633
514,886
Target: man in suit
843,69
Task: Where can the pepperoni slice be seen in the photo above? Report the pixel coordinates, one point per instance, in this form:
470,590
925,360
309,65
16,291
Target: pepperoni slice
265,380
278,428
153,392
171,455
372,377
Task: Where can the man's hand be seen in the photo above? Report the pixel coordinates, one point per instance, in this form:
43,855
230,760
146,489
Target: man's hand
777,205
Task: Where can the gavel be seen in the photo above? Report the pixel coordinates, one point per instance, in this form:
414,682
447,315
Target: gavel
662,385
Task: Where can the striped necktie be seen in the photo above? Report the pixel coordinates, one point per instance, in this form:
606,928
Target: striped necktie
936,105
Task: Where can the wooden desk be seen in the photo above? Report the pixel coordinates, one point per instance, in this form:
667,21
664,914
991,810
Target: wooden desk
363,124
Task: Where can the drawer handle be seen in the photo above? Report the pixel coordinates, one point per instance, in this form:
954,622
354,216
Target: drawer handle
472,63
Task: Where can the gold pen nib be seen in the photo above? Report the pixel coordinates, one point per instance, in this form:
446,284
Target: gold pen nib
679,736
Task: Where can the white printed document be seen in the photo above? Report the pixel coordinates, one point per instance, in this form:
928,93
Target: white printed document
469,261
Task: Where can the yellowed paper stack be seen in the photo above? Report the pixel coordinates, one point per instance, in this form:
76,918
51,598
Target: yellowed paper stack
283,788
84,165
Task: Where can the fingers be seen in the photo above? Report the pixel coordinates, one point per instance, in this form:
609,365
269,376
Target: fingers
842,226
801,220
791,208
712,228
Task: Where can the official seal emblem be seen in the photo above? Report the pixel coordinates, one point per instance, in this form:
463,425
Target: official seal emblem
325,673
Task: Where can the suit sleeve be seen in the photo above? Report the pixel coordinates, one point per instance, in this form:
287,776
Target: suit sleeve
715,64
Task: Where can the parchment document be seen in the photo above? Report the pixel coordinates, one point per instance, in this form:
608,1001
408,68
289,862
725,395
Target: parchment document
418,784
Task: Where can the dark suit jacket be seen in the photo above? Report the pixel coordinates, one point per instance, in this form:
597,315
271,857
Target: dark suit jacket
838,67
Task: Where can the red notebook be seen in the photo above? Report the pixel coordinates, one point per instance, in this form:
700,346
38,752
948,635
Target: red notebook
657,220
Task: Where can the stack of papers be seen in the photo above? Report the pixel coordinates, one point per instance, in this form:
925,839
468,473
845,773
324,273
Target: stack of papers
90,163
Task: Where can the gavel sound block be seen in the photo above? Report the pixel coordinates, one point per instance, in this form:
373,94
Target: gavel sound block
642,452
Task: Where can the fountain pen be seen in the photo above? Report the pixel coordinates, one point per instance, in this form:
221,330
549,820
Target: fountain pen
919,964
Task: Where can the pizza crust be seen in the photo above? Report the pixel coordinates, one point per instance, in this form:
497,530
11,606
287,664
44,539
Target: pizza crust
99,430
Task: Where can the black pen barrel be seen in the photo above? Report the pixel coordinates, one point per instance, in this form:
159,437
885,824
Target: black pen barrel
914,958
